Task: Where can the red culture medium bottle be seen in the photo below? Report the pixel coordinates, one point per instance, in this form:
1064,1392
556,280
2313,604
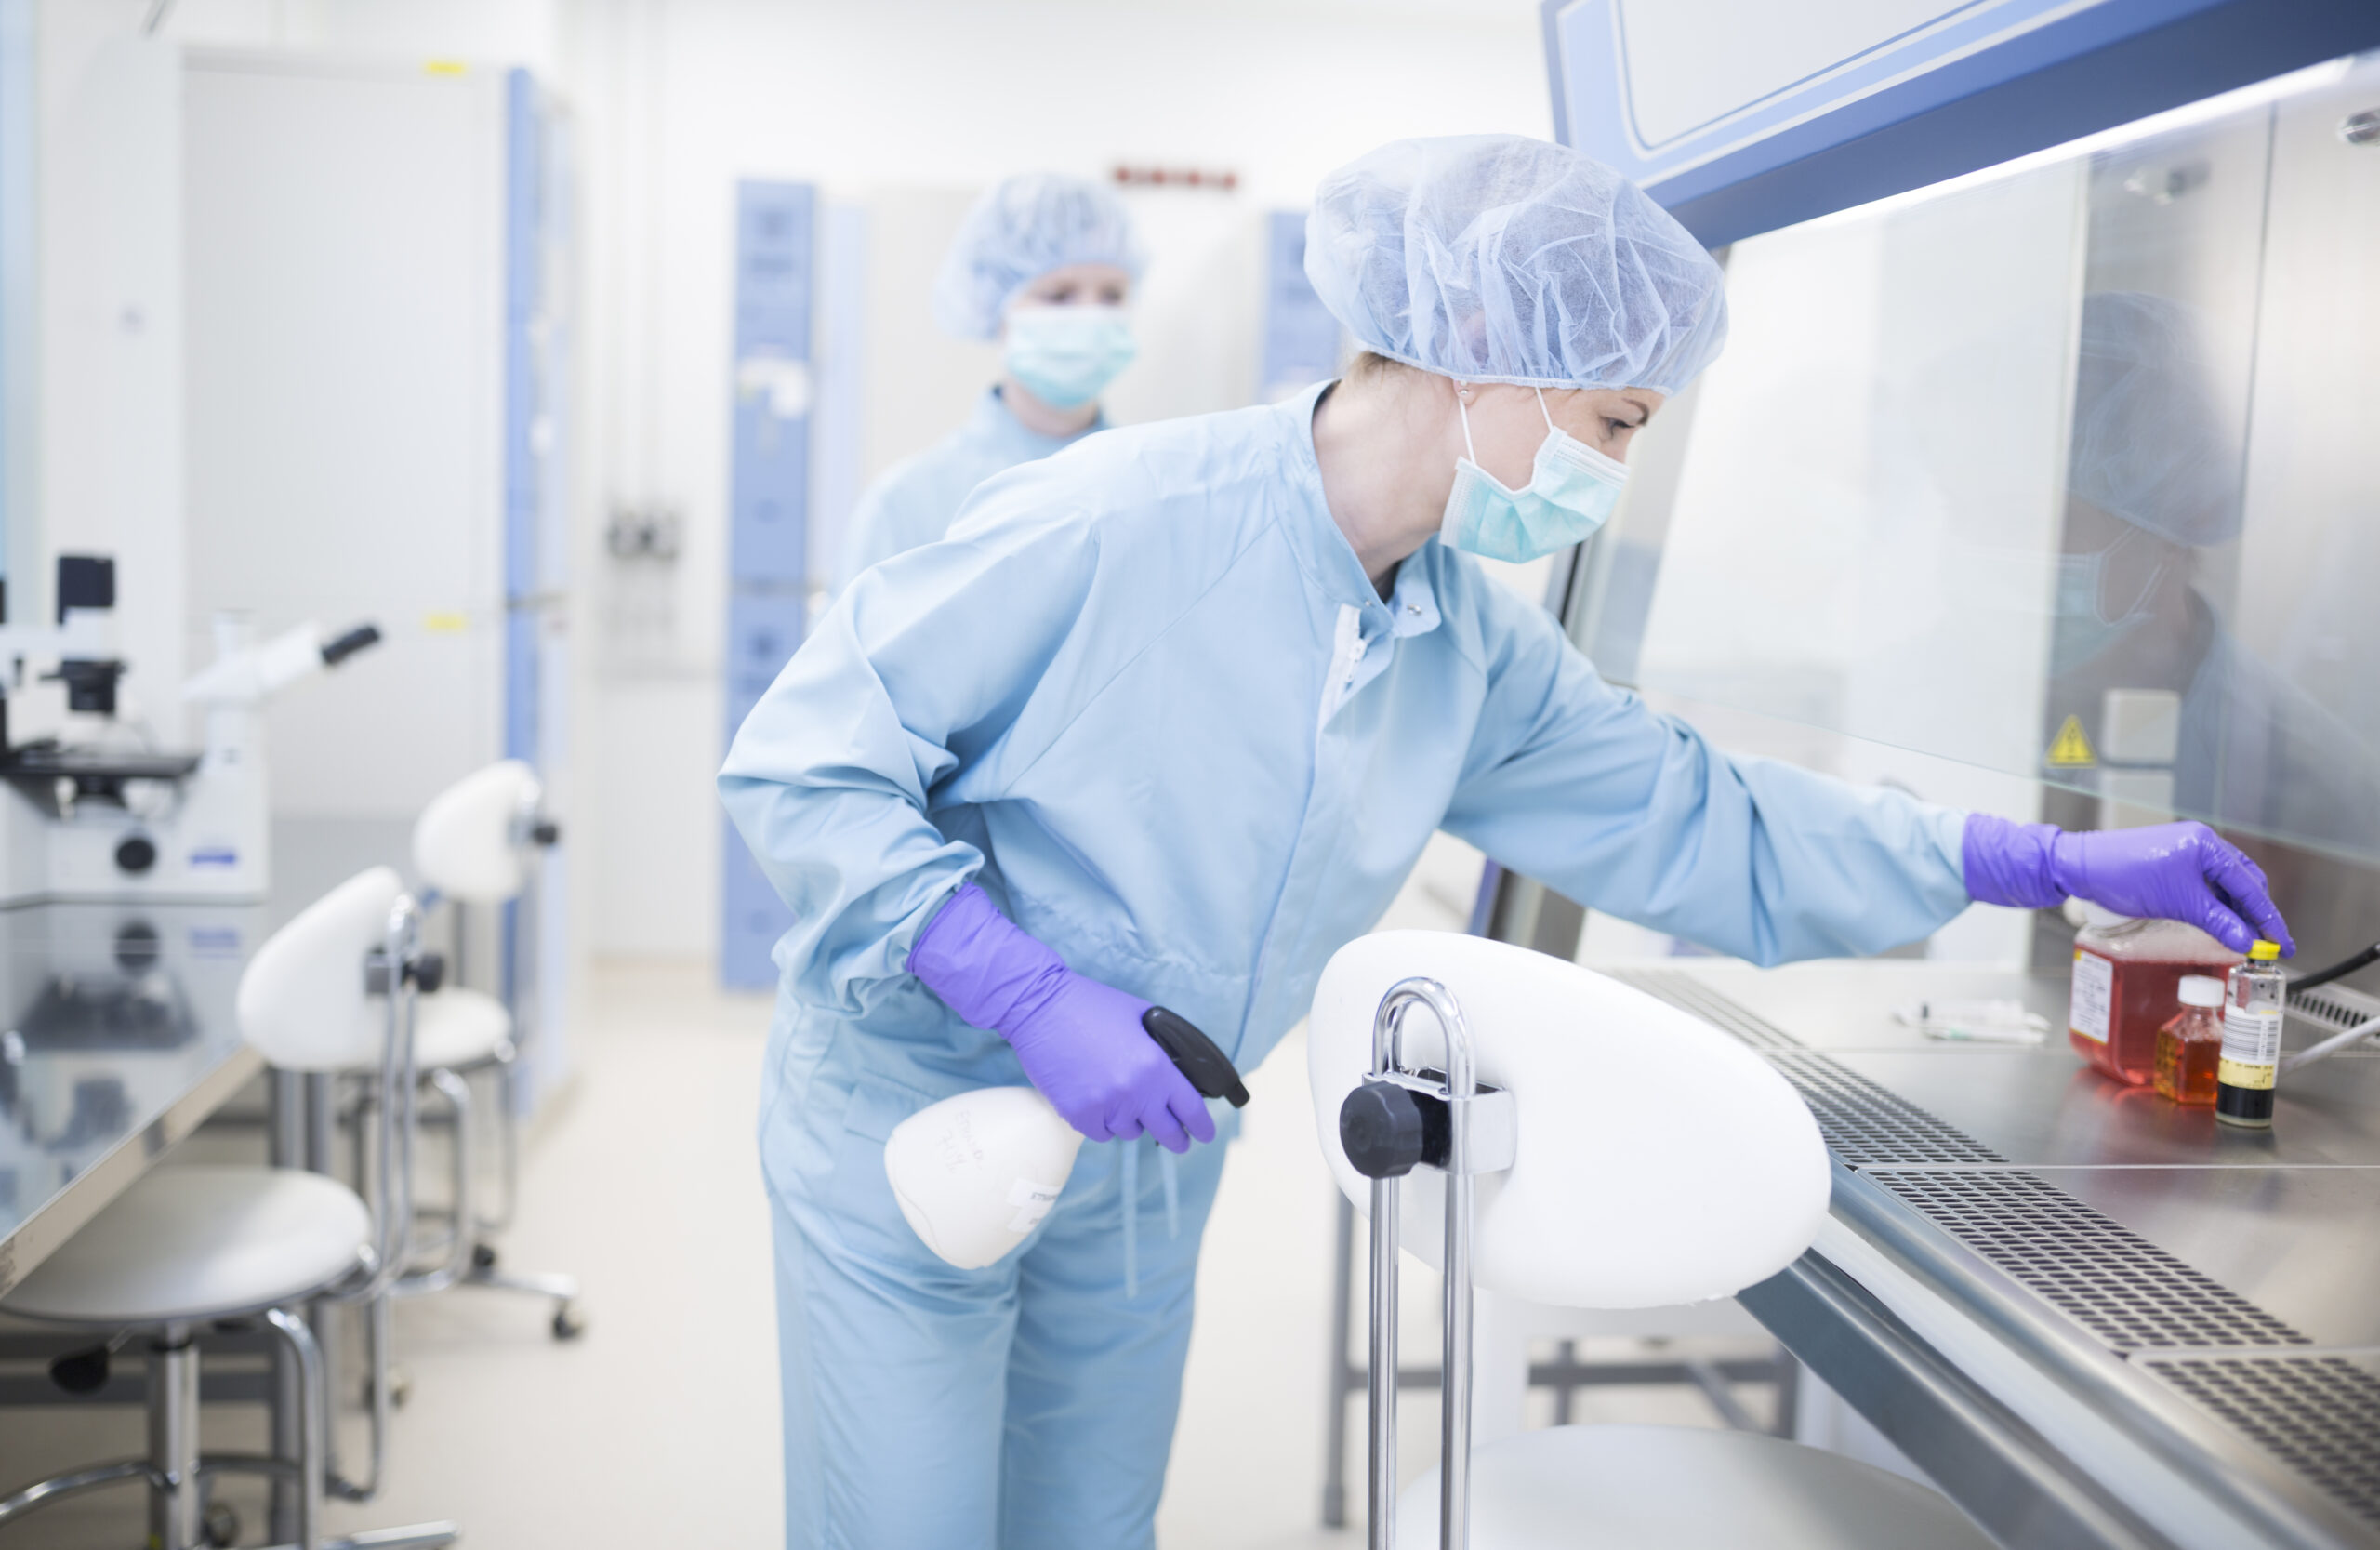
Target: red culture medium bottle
2127,984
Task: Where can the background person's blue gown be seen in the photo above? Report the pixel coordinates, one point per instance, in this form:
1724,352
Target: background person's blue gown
913,502
1146,696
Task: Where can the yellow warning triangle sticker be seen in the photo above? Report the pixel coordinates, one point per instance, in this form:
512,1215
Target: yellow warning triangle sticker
2069,749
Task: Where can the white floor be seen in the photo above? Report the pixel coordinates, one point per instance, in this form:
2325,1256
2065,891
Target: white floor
659,1426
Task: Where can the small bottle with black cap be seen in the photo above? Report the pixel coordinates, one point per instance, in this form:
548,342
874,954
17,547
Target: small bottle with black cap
2255,996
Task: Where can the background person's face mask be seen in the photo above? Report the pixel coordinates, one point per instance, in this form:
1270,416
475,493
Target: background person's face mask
2084,630
1064,355
1569,496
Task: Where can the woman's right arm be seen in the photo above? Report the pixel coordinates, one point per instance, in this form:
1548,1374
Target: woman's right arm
923,664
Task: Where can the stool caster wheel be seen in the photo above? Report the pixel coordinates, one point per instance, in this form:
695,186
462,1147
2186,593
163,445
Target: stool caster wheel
570,1321
483,1257
399,1388
221,1527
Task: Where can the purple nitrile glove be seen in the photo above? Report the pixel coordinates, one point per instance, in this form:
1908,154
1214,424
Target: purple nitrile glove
2171,871
1081,1042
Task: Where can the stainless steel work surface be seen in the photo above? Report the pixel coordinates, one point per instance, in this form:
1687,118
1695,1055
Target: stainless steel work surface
120,1039
2202,1295
2047,1108
1825,1008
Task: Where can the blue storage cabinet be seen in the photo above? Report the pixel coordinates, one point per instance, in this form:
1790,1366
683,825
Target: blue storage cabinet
535,955
768,518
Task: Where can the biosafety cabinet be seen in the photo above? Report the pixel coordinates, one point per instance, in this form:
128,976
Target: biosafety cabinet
375,362
2036,478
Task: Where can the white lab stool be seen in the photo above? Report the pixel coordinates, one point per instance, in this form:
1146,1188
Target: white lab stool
185,1246
475,845
1713,1179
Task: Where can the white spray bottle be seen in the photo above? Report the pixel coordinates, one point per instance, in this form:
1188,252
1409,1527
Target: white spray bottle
975,1174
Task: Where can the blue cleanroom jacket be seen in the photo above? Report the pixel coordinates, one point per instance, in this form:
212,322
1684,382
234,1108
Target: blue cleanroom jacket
913,502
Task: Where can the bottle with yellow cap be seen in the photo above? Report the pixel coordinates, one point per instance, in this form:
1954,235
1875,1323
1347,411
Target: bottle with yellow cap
2255,996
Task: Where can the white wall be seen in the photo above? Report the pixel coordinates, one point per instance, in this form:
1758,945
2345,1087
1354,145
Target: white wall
893,105
111,175
677,103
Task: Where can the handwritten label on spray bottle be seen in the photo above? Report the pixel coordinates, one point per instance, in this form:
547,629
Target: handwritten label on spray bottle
1033,1202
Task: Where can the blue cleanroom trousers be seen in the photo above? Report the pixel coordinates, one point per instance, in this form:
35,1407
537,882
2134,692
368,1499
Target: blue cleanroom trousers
1026,1404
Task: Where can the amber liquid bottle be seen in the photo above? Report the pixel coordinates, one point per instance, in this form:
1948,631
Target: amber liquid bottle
2190,1043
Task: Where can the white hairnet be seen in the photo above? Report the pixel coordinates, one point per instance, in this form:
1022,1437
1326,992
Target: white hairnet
1023,228
1501,258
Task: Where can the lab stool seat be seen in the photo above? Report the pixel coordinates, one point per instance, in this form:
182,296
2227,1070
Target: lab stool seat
183,1247
1683,1487
191,1244
460,1029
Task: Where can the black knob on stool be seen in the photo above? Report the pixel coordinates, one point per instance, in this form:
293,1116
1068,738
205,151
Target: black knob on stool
1380,1125
81,1371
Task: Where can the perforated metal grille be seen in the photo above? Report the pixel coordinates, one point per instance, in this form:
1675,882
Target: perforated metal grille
2119,1286
2329,1008
2318,1414
1869,1126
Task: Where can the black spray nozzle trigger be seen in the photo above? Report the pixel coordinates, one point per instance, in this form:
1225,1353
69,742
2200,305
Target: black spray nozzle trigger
1209,1069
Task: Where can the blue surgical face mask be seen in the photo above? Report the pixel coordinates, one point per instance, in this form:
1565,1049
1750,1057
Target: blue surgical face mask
1570,495
1064,355
2082,631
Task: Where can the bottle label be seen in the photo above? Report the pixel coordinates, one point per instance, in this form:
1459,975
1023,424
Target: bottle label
2095,996
2251,1048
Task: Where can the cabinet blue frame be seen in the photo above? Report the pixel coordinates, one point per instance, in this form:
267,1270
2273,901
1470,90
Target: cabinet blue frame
1983,82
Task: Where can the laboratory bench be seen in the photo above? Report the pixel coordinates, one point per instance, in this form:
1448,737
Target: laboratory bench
2094,1318
121,1041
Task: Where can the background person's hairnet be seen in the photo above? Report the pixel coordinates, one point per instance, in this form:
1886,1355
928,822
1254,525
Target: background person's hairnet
1501,258
1023,228
2149,444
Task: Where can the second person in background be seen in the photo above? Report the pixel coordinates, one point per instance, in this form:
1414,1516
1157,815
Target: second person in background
1045,265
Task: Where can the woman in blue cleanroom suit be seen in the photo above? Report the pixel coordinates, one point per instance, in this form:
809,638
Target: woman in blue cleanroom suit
1167,718
1045,265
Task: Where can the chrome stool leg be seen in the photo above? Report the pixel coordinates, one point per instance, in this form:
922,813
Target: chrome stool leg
315,1428
42,1491
484,1268
175,1504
